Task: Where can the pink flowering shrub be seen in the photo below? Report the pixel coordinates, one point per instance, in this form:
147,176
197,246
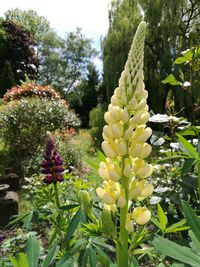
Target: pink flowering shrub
31,90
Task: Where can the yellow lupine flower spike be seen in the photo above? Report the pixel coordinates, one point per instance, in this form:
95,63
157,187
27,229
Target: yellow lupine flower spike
125,140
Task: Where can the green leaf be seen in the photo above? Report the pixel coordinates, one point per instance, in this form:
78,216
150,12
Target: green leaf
33,251
69,262
21,260
162,217
177,265
18,218
82,260
50,256
171,80
92,257
198,146
65,261
28,220
13,261
192,219
175,251
69,207
188,54
134,262
156,222
186,147
177,227
194,244
187,166
92,164
101,156
103,258
74,224
180,60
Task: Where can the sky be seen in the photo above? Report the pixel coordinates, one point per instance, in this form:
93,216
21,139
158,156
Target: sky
66,15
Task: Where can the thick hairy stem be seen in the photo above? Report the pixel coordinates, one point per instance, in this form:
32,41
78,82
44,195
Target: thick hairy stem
198,166
198,169
57,201
122,245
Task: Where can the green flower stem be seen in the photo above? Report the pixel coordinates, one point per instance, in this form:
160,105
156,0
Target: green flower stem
122,245
57,201
198,165
198,169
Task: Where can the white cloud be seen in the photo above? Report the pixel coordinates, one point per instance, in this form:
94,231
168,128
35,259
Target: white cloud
66,15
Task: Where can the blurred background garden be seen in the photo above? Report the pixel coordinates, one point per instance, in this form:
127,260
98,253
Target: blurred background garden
63,83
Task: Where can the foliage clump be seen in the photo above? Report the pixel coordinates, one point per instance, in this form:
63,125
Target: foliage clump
24,122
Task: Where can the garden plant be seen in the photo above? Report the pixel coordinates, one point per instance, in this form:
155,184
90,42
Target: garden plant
115,207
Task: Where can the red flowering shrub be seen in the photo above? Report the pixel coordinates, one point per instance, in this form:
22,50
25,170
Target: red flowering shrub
31,89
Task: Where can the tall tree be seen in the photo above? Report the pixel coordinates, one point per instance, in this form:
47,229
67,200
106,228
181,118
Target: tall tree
124,17
17,47
85,96
37,25
7,78
172,26
63,62
171,29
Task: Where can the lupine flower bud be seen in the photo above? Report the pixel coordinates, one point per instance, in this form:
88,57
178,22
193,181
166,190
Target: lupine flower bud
141,168
103,171
117,130
129,223
121,202
109,170
86,201
128,133
110,149
108,132
141,215
146,150
141,134
108,118
115,112
141,105
128,168
105,196
125,115
132,103
52,165
139,190
122,147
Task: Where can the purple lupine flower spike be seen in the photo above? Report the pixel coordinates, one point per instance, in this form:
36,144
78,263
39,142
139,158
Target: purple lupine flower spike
52,165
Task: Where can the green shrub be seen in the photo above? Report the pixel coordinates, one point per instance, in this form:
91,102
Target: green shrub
24,122
97,122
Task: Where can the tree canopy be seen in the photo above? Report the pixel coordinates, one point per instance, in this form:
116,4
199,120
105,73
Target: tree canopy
172,26
17,49
63,61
